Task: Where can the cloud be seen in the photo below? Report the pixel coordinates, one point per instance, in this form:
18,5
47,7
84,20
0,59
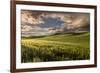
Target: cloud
74,20
26,28
28,17
36,31
81,20
45,23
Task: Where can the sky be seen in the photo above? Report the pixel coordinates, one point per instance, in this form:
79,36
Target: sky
37,23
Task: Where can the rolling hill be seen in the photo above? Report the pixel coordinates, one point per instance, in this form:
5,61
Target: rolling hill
57,47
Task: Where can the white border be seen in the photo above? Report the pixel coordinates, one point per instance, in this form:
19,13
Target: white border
20,65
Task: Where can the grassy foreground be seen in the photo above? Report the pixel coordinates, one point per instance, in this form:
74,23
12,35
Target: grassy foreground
60,47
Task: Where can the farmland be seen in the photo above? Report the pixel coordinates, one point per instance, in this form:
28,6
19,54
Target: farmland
58,47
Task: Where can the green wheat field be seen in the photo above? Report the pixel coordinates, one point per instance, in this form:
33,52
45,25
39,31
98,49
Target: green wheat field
58,47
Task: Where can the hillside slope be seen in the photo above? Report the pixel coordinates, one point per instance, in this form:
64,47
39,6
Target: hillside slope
60,47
